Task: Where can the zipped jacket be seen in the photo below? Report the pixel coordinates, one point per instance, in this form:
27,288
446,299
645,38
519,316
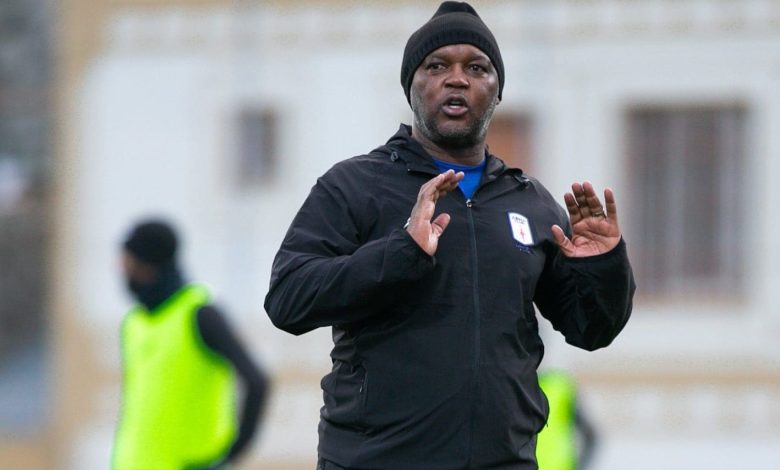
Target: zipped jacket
435,357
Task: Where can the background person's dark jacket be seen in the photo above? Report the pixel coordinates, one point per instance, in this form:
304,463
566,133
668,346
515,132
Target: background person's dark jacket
434,358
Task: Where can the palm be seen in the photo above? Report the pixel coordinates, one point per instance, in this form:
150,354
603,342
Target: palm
595,228
423,227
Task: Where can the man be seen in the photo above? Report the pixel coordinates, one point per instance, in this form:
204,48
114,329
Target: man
426,257
568,440
179,361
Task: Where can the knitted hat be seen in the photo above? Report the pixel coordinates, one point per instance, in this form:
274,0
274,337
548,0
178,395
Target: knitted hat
152,241
453,23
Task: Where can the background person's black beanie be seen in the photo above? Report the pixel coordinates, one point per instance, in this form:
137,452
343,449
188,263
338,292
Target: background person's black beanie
453,23
152,241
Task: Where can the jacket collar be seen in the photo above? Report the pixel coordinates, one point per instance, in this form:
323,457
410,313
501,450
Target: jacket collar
402,146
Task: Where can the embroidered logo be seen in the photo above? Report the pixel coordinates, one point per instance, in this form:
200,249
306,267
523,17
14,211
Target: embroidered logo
521,229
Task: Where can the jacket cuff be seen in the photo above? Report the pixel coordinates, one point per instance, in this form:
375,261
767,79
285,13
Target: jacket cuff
404,260
619,252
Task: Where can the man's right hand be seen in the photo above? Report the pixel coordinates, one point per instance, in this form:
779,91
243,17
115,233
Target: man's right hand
424,231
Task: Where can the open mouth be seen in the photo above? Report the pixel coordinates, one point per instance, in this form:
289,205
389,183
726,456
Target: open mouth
455,106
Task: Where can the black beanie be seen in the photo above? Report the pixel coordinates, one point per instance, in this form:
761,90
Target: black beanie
453,23
152,241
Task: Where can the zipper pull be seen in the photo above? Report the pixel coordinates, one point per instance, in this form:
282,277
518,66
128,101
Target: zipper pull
469,203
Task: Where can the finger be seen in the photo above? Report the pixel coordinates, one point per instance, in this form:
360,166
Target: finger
441,184
430,190
572,208
609,201
563,242
439,224
582,202
593,202
450,175
450,181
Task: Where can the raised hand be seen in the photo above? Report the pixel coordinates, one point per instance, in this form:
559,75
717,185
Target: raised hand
594,228
424,231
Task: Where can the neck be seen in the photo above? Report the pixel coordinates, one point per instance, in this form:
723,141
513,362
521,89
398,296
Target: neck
470,155
166,284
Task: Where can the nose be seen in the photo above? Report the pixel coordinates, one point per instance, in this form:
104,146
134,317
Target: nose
457,77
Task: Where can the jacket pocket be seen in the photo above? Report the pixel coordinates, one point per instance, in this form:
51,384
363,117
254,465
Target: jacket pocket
344,390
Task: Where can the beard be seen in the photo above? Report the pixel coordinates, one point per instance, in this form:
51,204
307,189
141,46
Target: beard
464,137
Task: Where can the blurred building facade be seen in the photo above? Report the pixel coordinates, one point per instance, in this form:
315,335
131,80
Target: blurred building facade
26,78
221,114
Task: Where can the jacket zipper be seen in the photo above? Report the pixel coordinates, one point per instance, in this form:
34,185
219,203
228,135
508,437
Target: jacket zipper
477,315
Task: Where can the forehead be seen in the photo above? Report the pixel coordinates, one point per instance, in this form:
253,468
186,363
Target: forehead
458,52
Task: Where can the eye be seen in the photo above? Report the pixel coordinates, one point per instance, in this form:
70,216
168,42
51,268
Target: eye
478,68
435,66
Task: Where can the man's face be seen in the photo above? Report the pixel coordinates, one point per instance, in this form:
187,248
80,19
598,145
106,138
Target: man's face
453,95
136,272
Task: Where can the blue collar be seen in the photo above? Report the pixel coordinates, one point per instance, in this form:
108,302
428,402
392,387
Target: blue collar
473,175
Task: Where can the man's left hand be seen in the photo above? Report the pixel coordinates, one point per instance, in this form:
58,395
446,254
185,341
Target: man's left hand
594,227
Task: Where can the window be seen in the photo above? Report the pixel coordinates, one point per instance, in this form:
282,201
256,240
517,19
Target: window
686,177
256,147
510,138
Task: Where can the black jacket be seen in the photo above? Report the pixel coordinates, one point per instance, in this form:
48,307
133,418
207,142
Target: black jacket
434,358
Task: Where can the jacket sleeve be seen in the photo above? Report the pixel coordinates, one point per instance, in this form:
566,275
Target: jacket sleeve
590,299
325,274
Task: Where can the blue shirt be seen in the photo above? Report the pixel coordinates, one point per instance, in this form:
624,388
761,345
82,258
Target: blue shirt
473,174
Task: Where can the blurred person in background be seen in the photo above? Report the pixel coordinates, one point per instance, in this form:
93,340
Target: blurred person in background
426,257
568,440
180,360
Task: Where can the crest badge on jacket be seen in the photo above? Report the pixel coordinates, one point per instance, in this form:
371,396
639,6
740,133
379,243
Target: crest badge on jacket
521,229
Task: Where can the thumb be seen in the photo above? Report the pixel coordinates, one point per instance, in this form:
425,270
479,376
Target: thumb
560,238
440,223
